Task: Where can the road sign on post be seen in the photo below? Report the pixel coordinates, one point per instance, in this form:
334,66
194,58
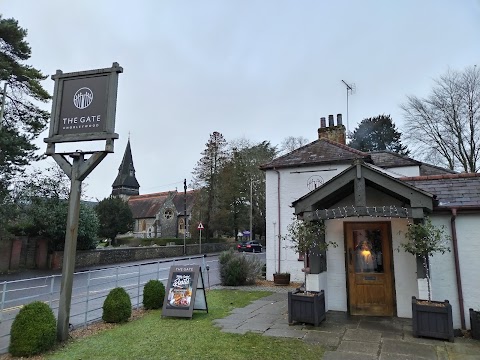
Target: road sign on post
83,109
200,227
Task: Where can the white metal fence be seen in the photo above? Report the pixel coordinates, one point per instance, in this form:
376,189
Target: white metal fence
90,289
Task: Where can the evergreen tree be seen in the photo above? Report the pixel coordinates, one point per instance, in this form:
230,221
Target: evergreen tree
376,134
115,217
205,176
40,207
22,120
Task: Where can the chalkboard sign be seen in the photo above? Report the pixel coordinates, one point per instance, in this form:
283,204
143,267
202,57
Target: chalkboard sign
185,291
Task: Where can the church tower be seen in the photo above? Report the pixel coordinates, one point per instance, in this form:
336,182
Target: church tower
126,184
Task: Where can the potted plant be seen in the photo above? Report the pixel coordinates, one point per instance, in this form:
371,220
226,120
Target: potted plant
303,305
475,324
429,318
282,278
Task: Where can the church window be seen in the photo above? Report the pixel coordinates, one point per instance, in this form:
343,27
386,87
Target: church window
168,214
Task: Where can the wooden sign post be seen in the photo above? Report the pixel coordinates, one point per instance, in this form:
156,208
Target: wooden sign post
185,292
83,109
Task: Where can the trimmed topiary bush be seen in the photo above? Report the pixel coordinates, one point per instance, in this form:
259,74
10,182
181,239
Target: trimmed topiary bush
33,330
117,307
153,294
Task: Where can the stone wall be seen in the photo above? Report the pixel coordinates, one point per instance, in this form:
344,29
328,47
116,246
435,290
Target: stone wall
108,256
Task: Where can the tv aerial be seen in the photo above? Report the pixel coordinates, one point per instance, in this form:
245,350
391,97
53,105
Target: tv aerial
351,89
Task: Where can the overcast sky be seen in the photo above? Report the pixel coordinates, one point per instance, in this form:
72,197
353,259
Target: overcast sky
262,70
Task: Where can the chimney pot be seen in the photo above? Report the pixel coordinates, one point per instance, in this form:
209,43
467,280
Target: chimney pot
323,122
330,121
339,119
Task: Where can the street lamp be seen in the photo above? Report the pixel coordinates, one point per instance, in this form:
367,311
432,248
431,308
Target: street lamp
20,78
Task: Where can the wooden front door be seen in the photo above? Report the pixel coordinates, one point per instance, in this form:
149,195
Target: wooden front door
369,265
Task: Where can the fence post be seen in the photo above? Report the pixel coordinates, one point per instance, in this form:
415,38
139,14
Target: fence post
4,291
52,282
138,286
86,301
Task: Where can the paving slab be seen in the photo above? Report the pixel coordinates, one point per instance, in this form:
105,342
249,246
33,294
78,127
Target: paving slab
363,335
328,340
463,348
361,347
387,326
408,349
338,330
254,326
342,355
286,333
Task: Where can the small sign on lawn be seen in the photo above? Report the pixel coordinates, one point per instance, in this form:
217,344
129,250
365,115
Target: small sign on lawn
185,292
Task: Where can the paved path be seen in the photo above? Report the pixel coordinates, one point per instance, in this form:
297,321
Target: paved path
345,337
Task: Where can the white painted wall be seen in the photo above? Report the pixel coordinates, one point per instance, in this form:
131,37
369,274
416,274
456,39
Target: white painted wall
443,277
293,185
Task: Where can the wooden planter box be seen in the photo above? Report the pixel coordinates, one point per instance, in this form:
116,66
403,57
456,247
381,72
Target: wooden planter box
306,308
432,320
475,324
281,279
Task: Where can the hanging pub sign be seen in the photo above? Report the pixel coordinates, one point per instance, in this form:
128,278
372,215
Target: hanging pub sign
84,104
185,291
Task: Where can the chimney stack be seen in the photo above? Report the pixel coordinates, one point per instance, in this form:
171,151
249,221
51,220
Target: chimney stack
330,121
323,122
333,133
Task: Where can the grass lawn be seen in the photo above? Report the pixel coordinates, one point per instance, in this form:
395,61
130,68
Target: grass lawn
153,337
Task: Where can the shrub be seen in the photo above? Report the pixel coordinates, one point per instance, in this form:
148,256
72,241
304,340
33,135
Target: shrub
153,294
117,307
237,269
33,330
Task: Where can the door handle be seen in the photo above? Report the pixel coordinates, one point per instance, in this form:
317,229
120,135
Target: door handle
350,255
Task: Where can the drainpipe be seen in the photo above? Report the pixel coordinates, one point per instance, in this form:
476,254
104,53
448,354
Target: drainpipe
457,266
279,220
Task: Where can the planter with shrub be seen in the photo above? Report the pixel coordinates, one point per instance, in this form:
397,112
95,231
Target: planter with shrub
33,330
281,278
429,318
307,306
475,324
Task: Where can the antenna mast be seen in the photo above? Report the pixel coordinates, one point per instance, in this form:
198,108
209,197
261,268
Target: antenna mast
351,90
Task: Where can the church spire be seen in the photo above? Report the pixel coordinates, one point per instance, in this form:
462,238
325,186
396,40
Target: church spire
126,183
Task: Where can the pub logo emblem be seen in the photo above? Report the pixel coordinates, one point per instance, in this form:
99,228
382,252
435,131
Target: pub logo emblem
314,181
83,98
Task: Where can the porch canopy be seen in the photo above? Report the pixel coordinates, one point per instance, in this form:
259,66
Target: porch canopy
320,203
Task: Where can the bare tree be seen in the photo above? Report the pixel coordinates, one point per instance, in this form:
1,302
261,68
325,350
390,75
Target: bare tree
445,126
291,143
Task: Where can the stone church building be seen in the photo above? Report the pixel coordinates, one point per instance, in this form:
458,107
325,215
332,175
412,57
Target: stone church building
157,215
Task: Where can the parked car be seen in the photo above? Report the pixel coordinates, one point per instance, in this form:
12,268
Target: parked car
250,246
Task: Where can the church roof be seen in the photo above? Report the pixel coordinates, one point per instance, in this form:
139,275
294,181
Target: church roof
126,171
148,205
